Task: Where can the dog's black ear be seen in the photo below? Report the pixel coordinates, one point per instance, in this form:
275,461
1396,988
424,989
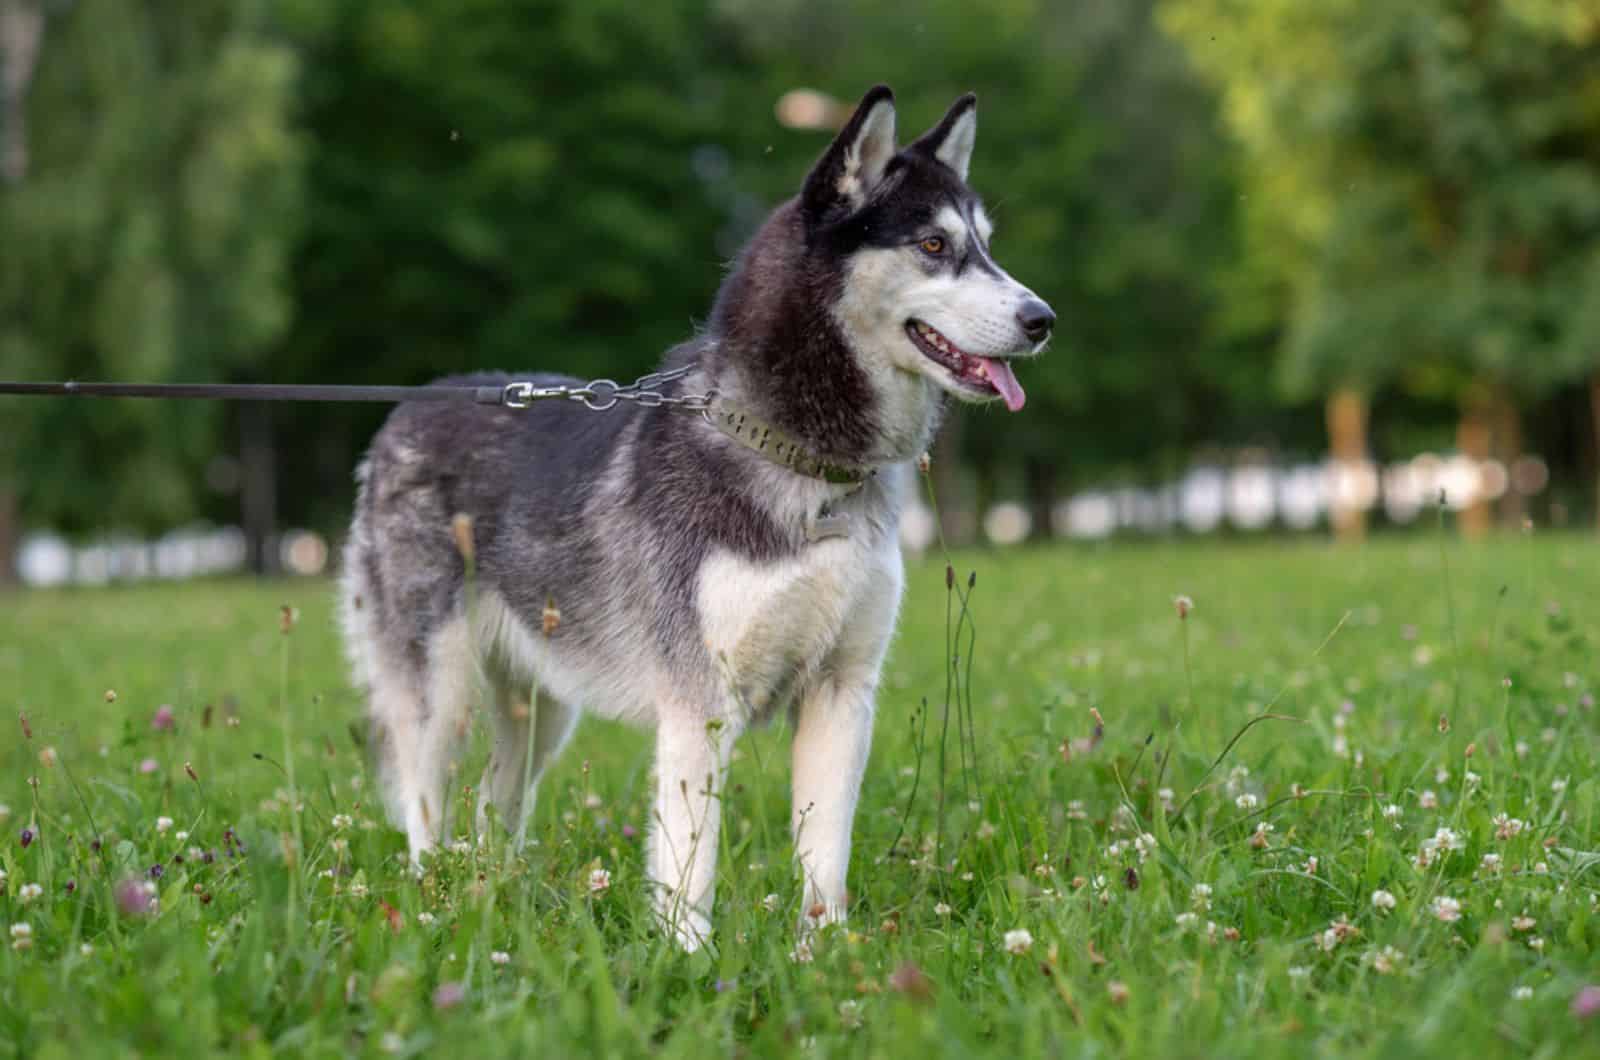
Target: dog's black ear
951,140
853,165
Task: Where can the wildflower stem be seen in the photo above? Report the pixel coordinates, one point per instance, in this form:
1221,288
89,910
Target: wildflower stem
287,713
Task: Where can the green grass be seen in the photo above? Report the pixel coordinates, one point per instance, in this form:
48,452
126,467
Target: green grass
322,952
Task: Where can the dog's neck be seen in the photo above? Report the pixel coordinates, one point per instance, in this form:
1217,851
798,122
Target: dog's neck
774,348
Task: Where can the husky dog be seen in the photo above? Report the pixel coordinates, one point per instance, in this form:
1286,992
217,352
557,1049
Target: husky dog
708,569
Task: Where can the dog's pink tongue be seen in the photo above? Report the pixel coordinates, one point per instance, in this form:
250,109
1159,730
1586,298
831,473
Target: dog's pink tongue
1005,381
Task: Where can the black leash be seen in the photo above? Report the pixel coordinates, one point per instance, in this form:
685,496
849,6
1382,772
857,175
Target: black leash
478,395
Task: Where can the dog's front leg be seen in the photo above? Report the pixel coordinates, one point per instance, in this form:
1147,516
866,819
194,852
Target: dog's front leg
691,761
833,735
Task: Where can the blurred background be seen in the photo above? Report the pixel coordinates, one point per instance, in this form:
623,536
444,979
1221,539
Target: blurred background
1315,263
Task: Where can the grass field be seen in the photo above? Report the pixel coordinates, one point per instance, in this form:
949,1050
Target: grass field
1401,865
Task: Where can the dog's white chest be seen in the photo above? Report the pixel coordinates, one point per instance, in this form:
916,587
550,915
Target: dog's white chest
765,624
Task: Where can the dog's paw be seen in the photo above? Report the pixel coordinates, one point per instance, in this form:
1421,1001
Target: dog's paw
820,915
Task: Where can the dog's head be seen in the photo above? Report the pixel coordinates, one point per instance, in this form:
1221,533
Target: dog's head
918,287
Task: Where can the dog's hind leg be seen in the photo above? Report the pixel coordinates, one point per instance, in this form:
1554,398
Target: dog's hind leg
511,778
451,683
691,762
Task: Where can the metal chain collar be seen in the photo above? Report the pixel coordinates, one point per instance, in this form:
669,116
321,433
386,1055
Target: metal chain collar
602,394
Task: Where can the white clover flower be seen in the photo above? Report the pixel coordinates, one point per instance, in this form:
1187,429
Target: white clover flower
1392,812
1446,839
985,830
1385,960
182,837
163,823
1522,993
341,820
1441,776
1507,827
801,954
1200,895
1299,973
941,909
1186,920
358,890
500,957
461,846
1541,869
850,1014
599,881
1246,801
86,950
1428,800
1447,909
1019,941
1383,900
771,903
1523,923
1522,748
425,918
1536,943
28,892
21,930
1145,844
1472,779
1491,863
1558,785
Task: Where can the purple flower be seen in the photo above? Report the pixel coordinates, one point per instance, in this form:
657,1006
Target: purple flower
72,885
149,765
134,898
724,985
156,871
1586,1002
27,838
163,718
628,831
449,995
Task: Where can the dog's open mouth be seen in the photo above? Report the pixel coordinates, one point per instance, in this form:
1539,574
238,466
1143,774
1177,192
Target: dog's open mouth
985,375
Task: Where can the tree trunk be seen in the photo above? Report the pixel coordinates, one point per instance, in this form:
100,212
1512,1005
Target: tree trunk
10,534
1346,413
946,472
1474,438
1041,496
1508,450
21,30
258,494
1594,422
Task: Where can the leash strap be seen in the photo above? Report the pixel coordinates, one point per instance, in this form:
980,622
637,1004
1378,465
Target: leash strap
480,395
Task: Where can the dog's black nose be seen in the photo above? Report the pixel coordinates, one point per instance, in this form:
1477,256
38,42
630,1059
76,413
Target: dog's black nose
1036,319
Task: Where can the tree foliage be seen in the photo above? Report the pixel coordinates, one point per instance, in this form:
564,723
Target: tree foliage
1426,179
149,240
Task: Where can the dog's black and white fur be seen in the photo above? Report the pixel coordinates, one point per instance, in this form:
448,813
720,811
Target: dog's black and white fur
689,596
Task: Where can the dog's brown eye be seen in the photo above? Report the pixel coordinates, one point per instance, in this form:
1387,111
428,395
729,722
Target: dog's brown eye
932,245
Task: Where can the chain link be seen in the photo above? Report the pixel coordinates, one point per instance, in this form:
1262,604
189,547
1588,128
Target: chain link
601,394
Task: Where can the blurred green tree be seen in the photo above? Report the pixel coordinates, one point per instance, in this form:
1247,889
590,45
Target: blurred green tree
146,235
1426,189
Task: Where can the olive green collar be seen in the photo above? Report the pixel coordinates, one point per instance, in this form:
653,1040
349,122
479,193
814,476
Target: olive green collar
767,441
